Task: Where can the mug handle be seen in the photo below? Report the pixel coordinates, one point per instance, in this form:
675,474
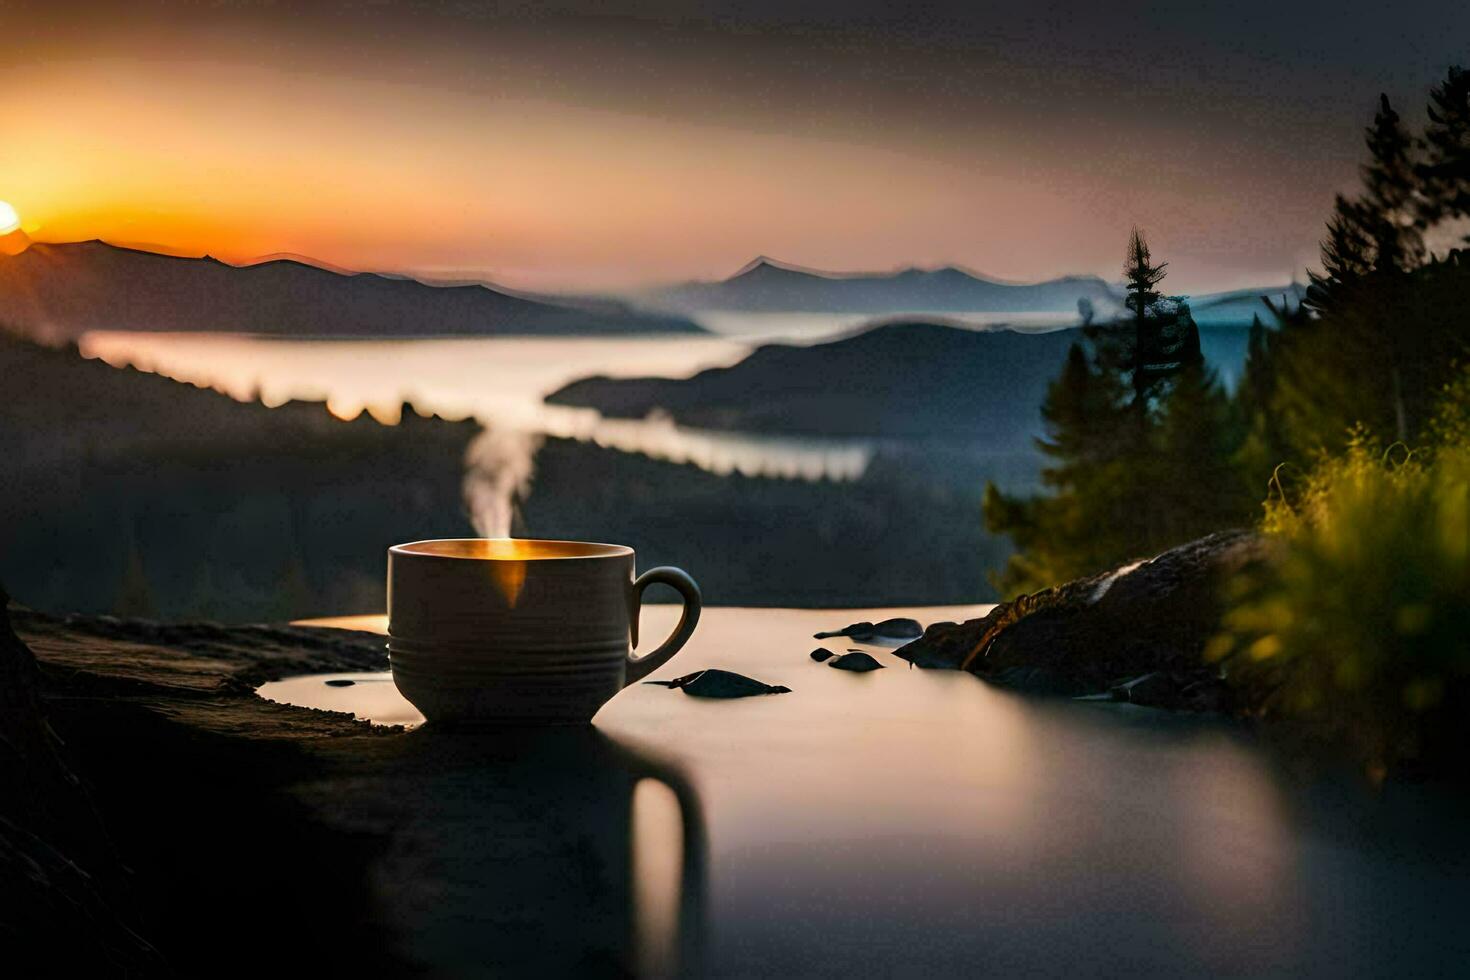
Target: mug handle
641,667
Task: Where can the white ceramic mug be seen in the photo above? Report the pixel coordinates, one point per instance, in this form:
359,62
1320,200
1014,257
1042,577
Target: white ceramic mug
521,631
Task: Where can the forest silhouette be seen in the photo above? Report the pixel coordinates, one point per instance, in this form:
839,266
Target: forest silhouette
1347,441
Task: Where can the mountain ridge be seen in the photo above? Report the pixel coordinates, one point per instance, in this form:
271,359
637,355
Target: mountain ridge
765,284
57,291
778,265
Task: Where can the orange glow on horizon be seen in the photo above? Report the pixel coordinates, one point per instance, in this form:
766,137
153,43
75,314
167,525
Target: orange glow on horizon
446,171
238,161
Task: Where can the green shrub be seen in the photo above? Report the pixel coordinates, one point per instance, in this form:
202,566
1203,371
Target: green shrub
1362,623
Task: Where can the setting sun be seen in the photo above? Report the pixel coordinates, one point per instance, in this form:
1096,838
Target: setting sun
9,220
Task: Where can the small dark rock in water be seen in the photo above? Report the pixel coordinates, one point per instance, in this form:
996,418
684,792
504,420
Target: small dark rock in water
716,683
820,654
340,683
889,629
856,660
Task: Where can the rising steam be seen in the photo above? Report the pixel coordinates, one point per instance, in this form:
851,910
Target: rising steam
499,464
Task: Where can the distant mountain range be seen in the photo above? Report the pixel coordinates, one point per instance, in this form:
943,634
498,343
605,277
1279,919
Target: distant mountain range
58,292
766,285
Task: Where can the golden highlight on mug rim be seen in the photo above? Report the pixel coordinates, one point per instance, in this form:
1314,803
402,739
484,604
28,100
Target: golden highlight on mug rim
508,549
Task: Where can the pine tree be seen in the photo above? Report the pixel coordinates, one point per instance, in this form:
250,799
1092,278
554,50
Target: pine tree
1347,255
1374,243
1445,170
1160,338
1258,379
1391,193
1141,276
1078,526
1081,414
1378,233
1197,486
1263,447
1129,472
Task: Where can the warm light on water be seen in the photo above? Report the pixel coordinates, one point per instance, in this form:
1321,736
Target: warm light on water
657,842
928,812
497,381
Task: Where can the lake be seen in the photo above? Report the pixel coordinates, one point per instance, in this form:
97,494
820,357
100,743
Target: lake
497,381
912,822
501,381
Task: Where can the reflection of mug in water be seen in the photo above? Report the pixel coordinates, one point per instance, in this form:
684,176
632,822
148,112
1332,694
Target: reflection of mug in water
521,631
514,854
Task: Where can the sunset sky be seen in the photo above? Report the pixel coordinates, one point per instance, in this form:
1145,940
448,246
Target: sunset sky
597,145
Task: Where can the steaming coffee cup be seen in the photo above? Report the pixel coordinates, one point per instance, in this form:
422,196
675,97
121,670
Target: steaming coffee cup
519,631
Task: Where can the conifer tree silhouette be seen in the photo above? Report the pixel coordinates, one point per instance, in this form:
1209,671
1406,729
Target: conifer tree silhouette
1141,276
1445,170
1139,442
1380,231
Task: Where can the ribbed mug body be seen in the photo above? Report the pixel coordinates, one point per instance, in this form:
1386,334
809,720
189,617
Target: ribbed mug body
497,632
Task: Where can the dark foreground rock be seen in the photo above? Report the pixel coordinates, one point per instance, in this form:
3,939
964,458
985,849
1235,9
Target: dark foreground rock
66,904
145,826
1134,633
157,818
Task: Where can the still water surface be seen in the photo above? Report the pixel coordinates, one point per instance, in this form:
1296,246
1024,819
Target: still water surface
920,823
499,381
